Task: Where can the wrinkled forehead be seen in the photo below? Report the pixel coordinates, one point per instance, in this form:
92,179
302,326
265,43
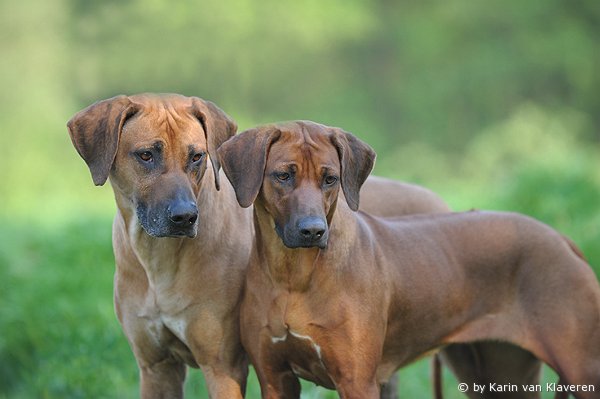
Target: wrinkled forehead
303,145
165,118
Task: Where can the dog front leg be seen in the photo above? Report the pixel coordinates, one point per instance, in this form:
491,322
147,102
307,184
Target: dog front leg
352,362
225,384
225,366
280,385
276,379
162,380
357,389
353,372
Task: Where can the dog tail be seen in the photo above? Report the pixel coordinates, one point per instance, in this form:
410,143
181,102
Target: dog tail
575,248
436,371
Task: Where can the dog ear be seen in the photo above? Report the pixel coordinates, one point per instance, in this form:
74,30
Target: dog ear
244,158
95,133
218,128
356,160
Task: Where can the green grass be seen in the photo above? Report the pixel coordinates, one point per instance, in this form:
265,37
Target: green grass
60,336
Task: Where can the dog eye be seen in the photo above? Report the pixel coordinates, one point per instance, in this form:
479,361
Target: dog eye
329,180
145,156
283,176
197,157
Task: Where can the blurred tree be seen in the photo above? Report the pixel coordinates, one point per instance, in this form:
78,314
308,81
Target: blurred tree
391,71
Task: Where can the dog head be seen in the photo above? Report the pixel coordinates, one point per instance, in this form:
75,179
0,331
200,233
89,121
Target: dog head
294,171
155,148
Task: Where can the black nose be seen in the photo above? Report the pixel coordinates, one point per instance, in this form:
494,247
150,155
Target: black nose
312,228
183,213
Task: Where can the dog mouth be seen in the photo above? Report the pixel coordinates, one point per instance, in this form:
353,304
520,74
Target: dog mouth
159,225
294,239
180,234
296,246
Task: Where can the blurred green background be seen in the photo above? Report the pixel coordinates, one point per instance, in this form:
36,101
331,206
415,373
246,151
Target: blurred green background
492,104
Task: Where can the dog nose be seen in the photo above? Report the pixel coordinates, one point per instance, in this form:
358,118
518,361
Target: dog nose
312,228
183,213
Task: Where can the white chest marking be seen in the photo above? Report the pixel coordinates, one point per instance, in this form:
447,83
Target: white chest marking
314,345
176,325
279,339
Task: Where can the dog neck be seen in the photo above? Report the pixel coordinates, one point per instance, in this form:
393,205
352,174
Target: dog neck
294,268
163,258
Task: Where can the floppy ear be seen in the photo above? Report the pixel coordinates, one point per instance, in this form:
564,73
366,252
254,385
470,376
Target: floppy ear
244,158
357,160
218,128
95,133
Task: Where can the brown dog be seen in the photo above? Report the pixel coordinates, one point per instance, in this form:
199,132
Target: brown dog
344,298
181,246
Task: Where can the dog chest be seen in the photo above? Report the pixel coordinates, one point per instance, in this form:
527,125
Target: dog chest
170,335
291,333
304,355
177,325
